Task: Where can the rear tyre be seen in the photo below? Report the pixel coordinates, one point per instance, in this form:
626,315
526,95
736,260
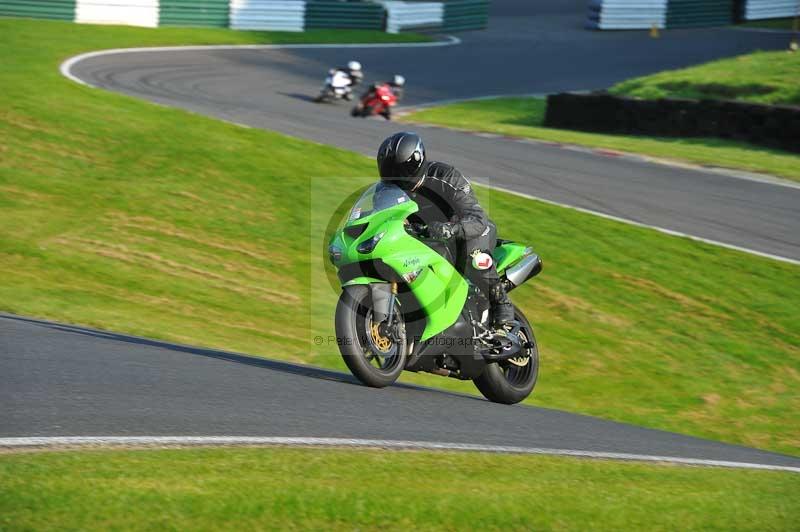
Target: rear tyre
325,95
509,382
372,358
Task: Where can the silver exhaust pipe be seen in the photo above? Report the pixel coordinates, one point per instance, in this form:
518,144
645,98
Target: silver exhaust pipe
524,270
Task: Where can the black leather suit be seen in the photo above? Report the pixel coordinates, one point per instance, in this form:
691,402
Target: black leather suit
445,195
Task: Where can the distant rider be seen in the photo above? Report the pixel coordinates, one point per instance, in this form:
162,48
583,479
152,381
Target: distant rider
354,74
396,85
448,206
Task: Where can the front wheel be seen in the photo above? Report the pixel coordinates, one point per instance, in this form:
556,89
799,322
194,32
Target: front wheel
372,357
511,381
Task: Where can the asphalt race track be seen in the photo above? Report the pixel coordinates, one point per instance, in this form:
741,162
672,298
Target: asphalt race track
272,88
60,380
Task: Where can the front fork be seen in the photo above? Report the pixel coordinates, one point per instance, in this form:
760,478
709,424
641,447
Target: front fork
384,297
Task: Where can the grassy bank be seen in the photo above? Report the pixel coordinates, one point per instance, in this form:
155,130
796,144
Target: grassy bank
524,117
765,77
761,77
125,215
254,489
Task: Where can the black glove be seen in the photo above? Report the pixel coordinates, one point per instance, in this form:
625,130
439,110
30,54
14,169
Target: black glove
443,230
416,229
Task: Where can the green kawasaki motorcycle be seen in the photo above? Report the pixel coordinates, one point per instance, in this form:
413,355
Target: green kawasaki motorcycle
404,306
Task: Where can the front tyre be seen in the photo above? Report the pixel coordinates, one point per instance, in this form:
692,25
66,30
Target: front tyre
372,357
511,381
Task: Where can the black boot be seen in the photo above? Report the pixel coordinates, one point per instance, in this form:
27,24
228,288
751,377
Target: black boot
502,309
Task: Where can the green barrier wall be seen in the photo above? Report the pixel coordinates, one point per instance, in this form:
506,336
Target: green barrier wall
458,15
53,9
463,15
350,15
212,13
695,13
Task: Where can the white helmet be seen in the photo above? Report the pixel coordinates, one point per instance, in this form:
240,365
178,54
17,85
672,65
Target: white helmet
399,80
354,65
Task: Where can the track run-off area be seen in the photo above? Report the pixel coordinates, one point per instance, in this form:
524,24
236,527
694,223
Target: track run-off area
69,386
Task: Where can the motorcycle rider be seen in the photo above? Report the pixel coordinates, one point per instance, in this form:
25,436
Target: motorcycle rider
354,74
396,85
448,206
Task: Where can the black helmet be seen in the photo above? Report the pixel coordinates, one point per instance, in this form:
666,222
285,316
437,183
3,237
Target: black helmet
401,158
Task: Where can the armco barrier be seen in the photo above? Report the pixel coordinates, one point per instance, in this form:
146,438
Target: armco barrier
132,12
402,16
775,126
282,15
212,13
350,15
626,14
761,9
51,9
694,13
644,14
465,15
287,15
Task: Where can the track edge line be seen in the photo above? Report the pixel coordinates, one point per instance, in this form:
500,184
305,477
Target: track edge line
628,221
192,441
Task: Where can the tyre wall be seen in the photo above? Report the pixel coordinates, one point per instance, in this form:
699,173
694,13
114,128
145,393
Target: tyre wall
767,125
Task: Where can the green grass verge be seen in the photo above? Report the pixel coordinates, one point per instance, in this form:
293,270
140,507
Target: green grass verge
279,489
763,77
524,117
773,23
125,215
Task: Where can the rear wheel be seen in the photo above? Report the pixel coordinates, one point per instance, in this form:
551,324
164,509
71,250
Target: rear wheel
372,356
511,381
324,95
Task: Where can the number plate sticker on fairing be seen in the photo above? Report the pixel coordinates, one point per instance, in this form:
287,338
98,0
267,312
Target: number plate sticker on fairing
481,260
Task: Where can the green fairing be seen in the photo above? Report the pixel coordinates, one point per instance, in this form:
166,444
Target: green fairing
508,254
439,288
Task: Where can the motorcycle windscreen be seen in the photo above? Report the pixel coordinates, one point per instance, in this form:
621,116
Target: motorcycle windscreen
377,197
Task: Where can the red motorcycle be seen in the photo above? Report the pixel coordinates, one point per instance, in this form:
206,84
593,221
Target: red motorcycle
378,101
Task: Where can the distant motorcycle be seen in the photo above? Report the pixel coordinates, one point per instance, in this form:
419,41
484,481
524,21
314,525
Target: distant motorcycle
378,101
338,86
